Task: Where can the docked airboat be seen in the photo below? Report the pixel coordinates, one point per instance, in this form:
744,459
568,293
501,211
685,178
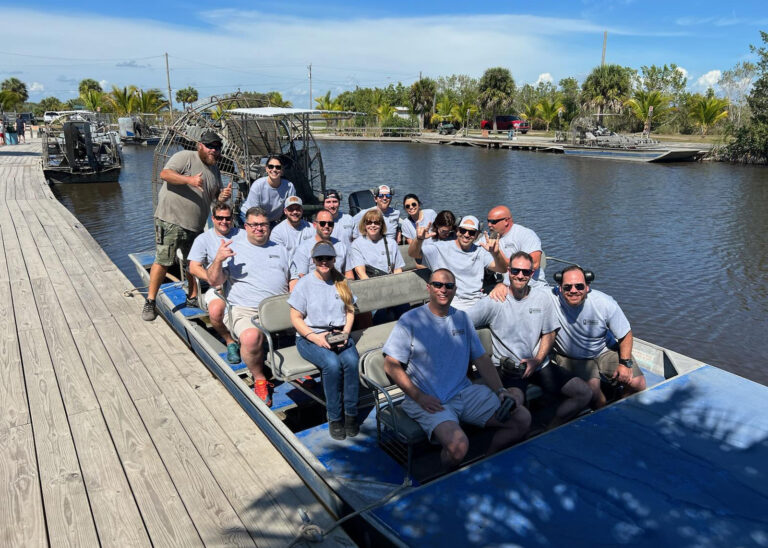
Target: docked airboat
657,468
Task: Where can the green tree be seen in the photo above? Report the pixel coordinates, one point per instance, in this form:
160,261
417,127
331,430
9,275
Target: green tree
93,100
384,112
50,103
150,101
444,109
549,110
123,100
186,96
606,88
568,90
464,111
275,99
422,98
88,84
707,111
9,100
16,86
530,112
736,83
642,102
496,91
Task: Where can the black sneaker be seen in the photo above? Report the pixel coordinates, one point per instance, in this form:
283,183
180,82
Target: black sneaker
336,429
149,312
191,302
351,428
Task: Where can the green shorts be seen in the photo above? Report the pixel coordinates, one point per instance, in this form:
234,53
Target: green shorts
170,237
606,363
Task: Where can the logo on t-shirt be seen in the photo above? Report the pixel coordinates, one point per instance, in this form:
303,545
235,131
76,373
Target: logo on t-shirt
457,332
274,256
590,322
534,311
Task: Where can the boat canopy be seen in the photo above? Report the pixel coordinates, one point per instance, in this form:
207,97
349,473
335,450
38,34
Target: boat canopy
271,112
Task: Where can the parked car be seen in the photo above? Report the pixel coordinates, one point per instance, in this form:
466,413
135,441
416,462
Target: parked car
446,128
28,118
507,122
49,116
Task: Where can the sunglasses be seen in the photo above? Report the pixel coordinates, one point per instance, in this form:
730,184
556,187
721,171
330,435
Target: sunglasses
387,196
274,166
450,286
325,223
494,221
223,217
254,226
215,146
325,259
578,287
515,271
373,223
412,205
463,230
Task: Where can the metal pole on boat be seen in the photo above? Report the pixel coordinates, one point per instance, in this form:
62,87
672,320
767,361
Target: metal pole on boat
310,85
605,43
168,78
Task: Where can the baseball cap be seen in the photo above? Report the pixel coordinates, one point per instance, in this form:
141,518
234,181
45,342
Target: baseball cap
332,193
323,249
209,138
293,200
383,189
470,222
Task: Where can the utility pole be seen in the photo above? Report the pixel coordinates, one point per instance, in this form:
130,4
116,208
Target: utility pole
605,42
310,86
168,78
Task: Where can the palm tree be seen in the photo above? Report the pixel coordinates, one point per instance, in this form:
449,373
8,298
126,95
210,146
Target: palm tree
548,110
641,104
88,84
606,88
150,101
707,111
9,100
16,86
93,100
497,91
186,96
461,112
530,112
122,100
422,96
275,99
384,112
444,110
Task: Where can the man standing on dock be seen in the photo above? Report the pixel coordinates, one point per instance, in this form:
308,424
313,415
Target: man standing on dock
192,183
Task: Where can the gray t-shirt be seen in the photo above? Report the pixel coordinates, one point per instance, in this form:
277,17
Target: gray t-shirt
366,252
290,237
517,239
467,266
391,220
517,326
206,245
343,228
584,329
183,205
270,199
408,227
256,272
302,262
437,349
319,302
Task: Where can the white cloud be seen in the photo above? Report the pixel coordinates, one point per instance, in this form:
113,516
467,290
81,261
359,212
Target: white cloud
36,87
682,71
103,83
545,77
709,80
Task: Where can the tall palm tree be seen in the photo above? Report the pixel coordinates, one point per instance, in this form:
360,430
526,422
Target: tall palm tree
548,110
150,101
88,84
383,112
16,86
461,112
275,99
641,103
707,111
422,96
606,88
530,112
497,91
444,109
122,99
9,100
186,96
93,100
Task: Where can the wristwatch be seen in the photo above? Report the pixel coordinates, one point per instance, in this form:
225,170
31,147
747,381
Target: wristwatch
627,363
500,390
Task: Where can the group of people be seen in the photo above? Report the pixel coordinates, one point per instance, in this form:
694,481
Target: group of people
568,339
20,129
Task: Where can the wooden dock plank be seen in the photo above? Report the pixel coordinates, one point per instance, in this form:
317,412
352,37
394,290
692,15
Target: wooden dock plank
13,394
73,308
67,510
117,517
166,518
22,521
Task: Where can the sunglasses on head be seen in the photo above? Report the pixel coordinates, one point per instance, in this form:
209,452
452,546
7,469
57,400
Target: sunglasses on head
578,287
494,221
223,217
274,166
515,271
439,285
387,196
463,230
326,223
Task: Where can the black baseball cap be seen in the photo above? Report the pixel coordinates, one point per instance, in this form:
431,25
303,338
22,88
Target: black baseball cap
332,193
210,138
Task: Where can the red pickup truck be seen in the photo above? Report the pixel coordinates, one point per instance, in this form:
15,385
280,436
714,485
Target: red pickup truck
505,123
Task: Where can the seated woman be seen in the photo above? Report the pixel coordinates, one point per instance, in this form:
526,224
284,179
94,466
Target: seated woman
443,229
416,217
322,304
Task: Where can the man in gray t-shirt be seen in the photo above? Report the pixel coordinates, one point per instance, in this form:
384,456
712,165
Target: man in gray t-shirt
344,224
192,183
427,355
523,330
302,262
255,268
293,230
587,319
515,237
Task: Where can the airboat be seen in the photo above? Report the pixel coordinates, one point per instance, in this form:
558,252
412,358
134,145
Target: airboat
680,463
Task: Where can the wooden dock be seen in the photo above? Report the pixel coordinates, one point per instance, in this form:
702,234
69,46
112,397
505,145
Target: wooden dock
112,432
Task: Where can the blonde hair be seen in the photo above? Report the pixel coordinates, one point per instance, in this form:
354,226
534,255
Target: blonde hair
372,215
340,282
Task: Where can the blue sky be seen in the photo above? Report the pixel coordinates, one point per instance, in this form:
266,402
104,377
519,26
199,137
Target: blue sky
263,46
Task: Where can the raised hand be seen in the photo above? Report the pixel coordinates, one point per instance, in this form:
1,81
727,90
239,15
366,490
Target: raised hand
424,232
226,193
490,243
224,252
196,180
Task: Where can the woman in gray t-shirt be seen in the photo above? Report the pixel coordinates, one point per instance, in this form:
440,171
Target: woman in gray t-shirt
322,304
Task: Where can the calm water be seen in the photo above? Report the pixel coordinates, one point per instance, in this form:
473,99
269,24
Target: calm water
682,248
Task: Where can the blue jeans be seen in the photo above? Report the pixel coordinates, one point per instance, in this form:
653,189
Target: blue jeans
339,375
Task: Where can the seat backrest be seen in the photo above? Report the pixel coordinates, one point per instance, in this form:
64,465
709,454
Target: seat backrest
372,368
410,262
485,337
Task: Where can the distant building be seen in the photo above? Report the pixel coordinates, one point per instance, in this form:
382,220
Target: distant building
403,112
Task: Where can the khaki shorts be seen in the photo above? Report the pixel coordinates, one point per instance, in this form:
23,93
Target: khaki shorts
606,363
170,237
476,404
241,319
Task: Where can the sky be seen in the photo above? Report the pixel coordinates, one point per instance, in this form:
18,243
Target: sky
264,46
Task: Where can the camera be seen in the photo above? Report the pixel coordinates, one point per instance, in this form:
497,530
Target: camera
512,368
337,340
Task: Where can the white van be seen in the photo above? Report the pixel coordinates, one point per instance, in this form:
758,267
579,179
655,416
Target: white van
49,116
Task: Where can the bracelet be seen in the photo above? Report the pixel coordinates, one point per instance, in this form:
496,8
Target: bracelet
500,390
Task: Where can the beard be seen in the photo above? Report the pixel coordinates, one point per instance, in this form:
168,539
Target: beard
205,158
